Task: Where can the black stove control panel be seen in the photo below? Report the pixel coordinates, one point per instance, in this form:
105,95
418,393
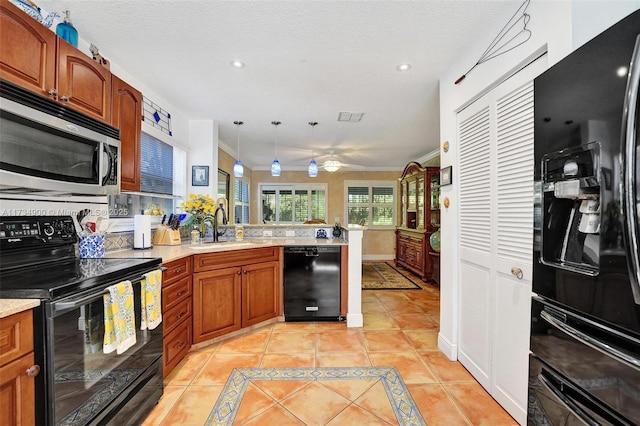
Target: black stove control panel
32,231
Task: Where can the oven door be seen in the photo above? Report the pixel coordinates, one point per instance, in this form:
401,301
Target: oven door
85,385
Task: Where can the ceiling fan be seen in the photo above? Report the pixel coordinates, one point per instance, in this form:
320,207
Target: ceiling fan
333,164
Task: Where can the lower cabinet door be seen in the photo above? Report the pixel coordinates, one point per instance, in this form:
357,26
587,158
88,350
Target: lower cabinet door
17,392
260,292
216,303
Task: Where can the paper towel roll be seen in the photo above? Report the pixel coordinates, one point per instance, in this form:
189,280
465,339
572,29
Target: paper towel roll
141,231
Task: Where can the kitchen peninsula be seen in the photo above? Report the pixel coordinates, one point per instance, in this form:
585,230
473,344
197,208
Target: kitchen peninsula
244,280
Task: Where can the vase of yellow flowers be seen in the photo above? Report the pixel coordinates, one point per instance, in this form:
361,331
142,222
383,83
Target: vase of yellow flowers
201,209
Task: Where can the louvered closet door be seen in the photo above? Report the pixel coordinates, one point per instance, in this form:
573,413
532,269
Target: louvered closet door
495,138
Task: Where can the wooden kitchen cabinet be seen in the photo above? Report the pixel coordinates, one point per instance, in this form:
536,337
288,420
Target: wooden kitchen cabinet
419,218
176,312
235,289
17,369
27,50
126,115
33,57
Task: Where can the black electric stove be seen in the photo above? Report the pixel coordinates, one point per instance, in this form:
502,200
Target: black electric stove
79,383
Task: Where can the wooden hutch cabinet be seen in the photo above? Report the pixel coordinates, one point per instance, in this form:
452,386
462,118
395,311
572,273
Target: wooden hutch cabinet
419,218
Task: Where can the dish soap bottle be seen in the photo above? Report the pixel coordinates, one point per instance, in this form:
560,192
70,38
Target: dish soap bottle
67,31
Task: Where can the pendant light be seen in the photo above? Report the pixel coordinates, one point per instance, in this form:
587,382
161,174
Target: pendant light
275,166
238,168
313,166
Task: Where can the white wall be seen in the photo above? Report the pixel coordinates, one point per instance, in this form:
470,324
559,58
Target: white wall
557,27
203,140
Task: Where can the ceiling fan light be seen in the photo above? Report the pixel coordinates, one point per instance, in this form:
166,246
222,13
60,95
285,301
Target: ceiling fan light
238,169
275,168
313,168
331,166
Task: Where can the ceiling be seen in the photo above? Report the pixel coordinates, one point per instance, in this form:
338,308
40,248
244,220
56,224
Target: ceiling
304,61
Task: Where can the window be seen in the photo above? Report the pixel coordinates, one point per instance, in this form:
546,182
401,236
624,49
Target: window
293,203
162,176
156,165
241,201
371,203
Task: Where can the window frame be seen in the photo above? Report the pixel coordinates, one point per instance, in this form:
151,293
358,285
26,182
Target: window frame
239,203
293,187
371,205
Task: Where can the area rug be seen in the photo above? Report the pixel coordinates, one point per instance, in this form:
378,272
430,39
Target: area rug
382,276
404,407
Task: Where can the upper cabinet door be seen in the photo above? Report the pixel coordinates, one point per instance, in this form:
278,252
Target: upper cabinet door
126,116
83,83
27,50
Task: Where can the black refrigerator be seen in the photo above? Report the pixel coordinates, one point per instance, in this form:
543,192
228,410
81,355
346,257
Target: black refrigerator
584,366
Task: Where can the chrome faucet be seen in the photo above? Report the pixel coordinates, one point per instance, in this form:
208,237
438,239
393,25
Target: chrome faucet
216,234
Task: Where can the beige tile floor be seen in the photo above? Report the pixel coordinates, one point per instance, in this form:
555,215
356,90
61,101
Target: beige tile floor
400,329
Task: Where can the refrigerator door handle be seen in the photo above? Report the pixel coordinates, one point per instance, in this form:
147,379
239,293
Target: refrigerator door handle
599,345
567,401
628,183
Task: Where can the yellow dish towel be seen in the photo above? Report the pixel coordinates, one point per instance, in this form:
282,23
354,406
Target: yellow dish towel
119,318
151,300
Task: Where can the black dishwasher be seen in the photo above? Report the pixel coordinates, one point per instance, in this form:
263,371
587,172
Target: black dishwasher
312,283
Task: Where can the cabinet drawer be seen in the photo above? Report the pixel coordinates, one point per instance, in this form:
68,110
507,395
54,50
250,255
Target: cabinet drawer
175,270
16,336
211,261
176,345
176,292
174,316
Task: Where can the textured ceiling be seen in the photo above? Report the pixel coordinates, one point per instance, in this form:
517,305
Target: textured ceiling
305,61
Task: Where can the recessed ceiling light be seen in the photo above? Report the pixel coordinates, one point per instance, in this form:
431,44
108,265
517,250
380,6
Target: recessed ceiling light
403,67
237,64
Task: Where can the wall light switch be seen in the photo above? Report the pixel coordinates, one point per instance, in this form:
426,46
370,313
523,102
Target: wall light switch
267,233
290,233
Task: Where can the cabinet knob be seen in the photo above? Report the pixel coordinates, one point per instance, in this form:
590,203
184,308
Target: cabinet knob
239,272
54,93
64,98
33,370
178,270
180,315
180,345
245,271
180,293
517,272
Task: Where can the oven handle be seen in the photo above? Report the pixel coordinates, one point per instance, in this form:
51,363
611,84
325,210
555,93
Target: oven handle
603,347
82,300
567,401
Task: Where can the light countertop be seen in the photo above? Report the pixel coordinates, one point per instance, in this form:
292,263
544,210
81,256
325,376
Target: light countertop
170,253
14,306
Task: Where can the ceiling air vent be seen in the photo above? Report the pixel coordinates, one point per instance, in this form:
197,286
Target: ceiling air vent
353,117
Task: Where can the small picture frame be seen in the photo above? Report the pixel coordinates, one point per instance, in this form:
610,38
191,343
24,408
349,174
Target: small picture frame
200,176
445,176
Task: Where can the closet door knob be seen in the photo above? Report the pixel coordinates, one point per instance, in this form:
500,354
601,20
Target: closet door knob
517,272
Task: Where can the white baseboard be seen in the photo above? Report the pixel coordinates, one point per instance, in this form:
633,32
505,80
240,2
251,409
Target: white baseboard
448,348
377,257
355,320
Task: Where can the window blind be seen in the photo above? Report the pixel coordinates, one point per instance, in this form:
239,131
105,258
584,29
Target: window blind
156,165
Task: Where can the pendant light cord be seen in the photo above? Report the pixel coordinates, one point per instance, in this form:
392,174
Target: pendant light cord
276,124
238,124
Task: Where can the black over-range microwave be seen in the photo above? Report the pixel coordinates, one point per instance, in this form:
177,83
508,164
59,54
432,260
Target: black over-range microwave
50,148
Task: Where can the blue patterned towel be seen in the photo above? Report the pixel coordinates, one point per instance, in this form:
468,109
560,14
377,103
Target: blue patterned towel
151,300
119,318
